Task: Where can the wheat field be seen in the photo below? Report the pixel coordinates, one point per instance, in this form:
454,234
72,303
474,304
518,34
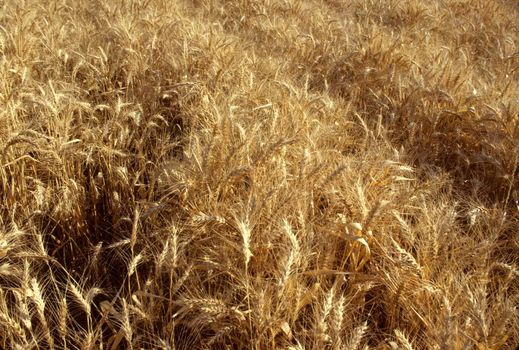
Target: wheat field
259,174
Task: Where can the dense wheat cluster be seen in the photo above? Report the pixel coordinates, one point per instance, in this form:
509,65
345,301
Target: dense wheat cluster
259,174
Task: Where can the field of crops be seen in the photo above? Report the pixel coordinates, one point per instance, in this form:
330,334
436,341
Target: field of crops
259,174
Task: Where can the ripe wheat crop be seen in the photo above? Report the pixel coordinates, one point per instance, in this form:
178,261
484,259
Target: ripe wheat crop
259,174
